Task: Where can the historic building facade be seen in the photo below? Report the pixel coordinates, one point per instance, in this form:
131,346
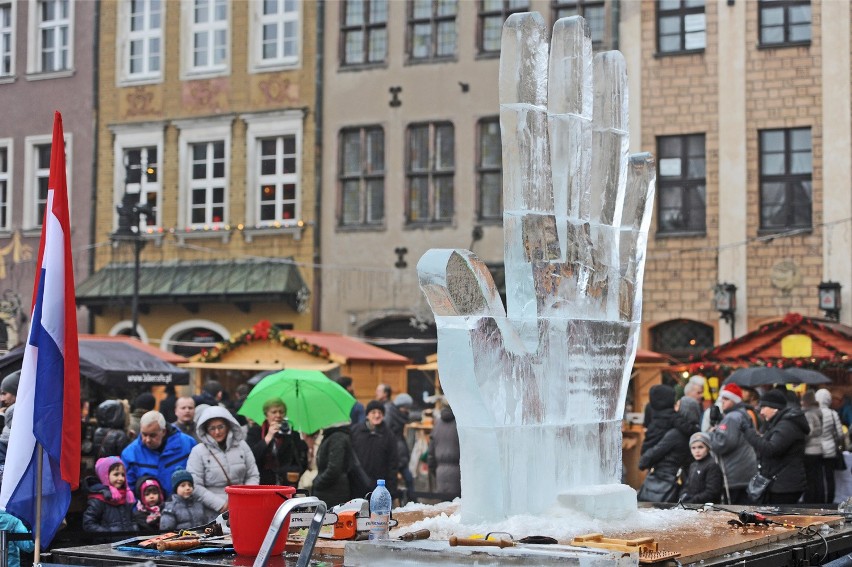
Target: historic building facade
207,139
734,99
47,63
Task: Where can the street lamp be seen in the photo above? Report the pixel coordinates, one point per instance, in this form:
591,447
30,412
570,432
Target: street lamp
130,212
725,302
829,299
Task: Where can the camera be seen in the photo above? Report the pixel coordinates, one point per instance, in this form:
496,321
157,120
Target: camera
285,429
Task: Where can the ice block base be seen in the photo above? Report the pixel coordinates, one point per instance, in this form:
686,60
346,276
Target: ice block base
600,501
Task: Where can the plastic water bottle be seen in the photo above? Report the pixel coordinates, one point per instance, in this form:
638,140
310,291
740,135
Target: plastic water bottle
380,508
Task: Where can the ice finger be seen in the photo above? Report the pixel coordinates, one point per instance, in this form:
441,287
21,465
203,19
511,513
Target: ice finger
638,207
609,139
456,282
523,114
523,60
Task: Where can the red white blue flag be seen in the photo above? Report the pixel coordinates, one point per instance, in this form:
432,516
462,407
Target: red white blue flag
47,408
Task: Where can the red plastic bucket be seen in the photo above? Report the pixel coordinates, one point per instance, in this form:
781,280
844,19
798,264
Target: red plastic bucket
251,509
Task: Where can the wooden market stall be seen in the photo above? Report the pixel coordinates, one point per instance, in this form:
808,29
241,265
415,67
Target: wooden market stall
264,347
790,341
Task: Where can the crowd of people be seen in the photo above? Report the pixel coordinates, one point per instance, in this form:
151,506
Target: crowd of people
752,446
167,469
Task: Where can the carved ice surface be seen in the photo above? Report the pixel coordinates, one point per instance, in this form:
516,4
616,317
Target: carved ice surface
538,389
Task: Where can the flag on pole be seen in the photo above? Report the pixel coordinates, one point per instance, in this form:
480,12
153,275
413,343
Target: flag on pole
47,408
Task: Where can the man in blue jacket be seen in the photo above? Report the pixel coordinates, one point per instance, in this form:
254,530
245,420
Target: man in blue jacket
159,451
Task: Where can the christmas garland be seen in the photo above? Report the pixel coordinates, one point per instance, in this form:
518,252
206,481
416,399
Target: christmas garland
796,324
261,331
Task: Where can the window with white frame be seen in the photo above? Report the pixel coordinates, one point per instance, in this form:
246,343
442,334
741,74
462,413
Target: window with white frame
430,171
5,182
204,148
274,165
140,38
7,39
37,177
51,38
207,183
208,36
137,153
275,34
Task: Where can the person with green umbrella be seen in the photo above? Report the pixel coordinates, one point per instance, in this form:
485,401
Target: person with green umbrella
280,452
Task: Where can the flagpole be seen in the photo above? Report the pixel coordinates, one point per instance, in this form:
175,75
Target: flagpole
37,534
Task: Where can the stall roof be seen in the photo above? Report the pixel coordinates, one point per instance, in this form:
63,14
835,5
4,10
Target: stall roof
120,361
344,349
830,341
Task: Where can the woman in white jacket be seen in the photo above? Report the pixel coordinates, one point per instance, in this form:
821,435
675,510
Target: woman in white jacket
832,436
221,458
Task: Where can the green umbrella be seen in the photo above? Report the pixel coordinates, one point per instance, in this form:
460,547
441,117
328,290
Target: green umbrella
314,401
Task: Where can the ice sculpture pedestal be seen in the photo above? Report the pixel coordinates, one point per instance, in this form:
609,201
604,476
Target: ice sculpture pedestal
404,554
602,501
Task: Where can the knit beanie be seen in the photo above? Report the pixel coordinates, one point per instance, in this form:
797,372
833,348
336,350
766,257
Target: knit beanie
732,392
144,401
700,437
774,399
403,400
179,476
375,404
10,383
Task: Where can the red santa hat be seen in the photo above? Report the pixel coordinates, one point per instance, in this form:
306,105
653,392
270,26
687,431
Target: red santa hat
732,392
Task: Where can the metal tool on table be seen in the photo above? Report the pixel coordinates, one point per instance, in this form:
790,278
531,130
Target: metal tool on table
352,520
416,535
284,511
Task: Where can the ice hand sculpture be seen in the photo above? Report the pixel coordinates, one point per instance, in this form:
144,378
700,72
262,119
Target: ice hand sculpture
539,393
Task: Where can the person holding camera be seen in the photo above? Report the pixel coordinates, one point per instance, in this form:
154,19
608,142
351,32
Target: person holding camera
280,453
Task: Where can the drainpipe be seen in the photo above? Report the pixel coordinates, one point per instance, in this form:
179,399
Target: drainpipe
317,291
96,110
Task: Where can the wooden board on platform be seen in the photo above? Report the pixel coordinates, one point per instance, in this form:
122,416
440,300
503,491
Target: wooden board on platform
714,537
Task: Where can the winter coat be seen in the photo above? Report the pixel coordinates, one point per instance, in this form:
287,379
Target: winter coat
703,483
282,455
208,462
182,513
781,450
140,460
334,459
661,401
666,445
396,421
376,450
832,431
103,514
147,519
110,439
813,442
444,455
11,524
736,456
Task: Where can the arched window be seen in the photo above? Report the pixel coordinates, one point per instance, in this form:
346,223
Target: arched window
192,341
681,338
189,337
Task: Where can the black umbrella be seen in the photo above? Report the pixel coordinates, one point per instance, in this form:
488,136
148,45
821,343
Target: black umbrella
806,376
757,376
